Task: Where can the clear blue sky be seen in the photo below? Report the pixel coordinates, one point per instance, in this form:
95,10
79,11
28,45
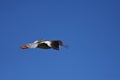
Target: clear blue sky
91,29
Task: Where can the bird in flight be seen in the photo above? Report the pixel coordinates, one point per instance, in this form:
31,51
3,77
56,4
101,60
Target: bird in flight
44,44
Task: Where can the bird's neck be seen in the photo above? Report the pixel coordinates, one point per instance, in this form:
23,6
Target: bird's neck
32,45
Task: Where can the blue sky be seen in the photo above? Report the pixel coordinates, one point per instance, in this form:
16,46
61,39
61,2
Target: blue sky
90,28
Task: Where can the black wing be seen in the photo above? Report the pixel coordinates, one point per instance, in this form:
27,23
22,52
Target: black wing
55,45
43,45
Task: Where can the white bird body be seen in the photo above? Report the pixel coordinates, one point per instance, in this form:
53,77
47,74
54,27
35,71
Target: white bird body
44,44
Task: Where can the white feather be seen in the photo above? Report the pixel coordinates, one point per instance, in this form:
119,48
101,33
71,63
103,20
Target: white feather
32,45
36,41
47,42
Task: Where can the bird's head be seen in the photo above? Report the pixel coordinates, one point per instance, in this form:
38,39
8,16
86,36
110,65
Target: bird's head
30,45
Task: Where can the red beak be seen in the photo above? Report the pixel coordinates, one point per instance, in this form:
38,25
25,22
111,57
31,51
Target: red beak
24,47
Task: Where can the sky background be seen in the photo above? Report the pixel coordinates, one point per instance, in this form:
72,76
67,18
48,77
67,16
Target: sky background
90,28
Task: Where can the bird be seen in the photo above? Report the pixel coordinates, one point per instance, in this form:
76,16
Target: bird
44,44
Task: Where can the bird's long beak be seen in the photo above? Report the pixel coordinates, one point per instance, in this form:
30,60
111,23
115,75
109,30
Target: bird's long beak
24,47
